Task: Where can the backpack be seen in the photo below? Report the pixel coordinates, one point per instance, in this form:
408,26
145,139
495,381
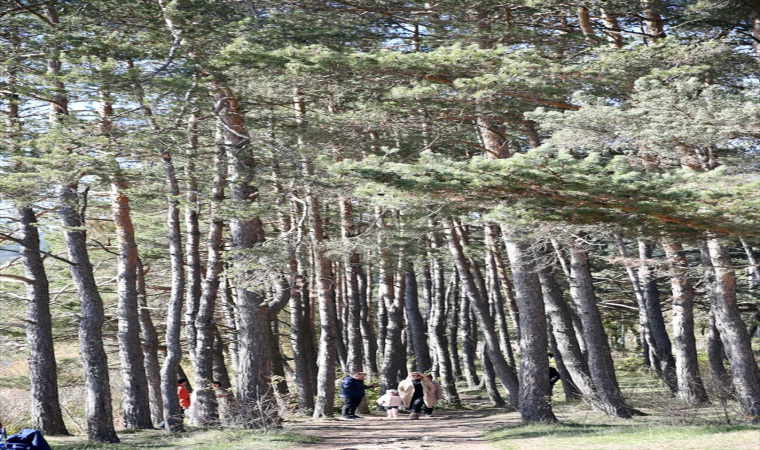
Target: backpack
26,439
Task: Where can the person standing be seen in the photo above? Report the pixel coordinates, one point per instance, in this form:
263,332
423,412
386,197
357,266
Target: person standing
437,397
416,391
390,401
353,387
184,394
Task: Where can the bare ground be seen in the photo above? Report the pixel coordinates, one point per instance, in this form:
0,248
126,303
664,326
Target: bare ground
461,430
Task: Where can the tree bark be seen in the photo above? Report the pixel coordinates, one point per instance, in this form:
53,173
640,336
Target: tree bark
192,242
600,363
98,400
535,390
733,332
355,360
479,306
136,400
393,305
495,265
43,370
203,328
453,304
150,349
437,327
417,327
691,390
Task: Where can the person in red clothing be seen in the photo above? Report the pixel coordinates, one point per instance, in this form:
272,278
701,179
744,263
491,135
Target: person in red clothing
183,393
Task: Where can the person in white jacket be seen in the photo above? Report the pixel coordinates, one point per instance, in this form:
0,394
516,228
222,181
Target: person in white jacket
416,392
391,401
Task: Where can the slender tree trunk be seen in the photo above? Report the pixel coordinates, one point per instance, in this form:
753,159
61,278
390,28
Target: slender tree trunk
136,400
98,400
203,327
744,370
437,327
469,345
417,326
494,265
691,390
193,243
327,314
721,381
453,303
535,390
150,349
393,304
489,380
600,363
479,305
169,369
661,341
43,371
559,315
355,360
369,338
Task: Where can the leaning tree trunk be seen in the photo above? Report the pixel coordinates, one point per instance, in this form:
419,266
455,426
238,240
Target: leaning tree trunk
98,399
453,304
43,371
494,266
136,400
489,380
660,344
733,332
691,390
559,316
469,345
479,305
600,363
721,381
535,390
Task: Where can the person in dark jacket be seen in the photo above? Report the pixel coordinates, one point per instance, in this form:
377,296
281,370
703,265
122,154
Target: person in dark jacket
352,388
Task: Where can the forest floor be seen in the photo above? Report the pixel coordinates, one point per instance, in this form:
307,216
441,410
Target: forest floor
447,429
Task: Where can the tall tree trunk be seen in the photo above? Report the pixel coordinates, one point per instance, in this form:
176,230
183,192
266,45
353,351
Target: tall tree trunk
417,327
355,360
559,315
660,344
43,370
246,232
744,370
393,305
136,400
453,304
494,265
691,390
327,312
98,400
479,305
170,366
753,274
469,345
721,381
203,328
600,363
489,380
193,241
535,390
150,349
437,326
369,338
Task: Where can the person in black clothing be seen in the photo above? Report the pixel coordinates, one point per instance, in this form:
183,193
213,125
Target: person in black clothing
416,392
352,388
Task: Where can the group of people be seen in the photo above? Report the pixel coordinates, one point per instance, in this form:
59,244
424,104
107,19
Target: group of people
416,393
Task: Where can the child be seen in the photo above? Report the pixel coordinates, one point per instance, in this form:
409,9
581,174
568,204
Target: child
391,401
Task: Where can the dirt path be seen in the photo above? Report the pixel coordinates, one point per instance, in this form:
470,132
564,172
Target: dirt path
461,430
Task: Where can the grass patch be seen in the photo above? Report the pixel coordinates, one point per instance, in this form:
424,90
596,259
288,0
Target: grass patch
628,436
195,439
